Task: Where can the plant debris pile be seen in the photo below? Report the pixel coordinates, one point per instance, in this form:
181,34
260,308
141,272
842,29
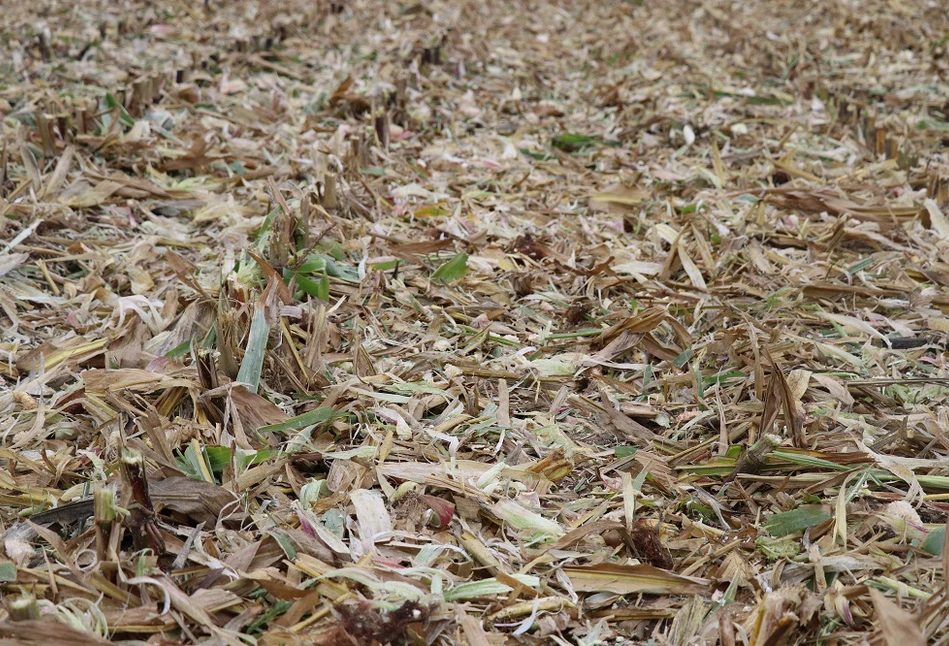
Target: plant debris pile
461,322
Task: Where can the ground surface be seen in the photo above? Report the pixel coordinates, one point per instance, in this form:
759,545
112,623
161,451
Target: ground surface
572,323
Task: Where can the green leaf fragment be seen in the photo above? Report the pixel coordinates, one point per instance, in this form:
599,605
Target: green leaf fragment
7,572
573,142
253,361
537,156
454,269
934,541
796,520
317,416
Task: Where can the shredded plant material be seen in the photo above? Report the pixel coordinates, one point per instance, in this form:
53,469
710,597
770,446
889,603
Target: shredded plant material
456,322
